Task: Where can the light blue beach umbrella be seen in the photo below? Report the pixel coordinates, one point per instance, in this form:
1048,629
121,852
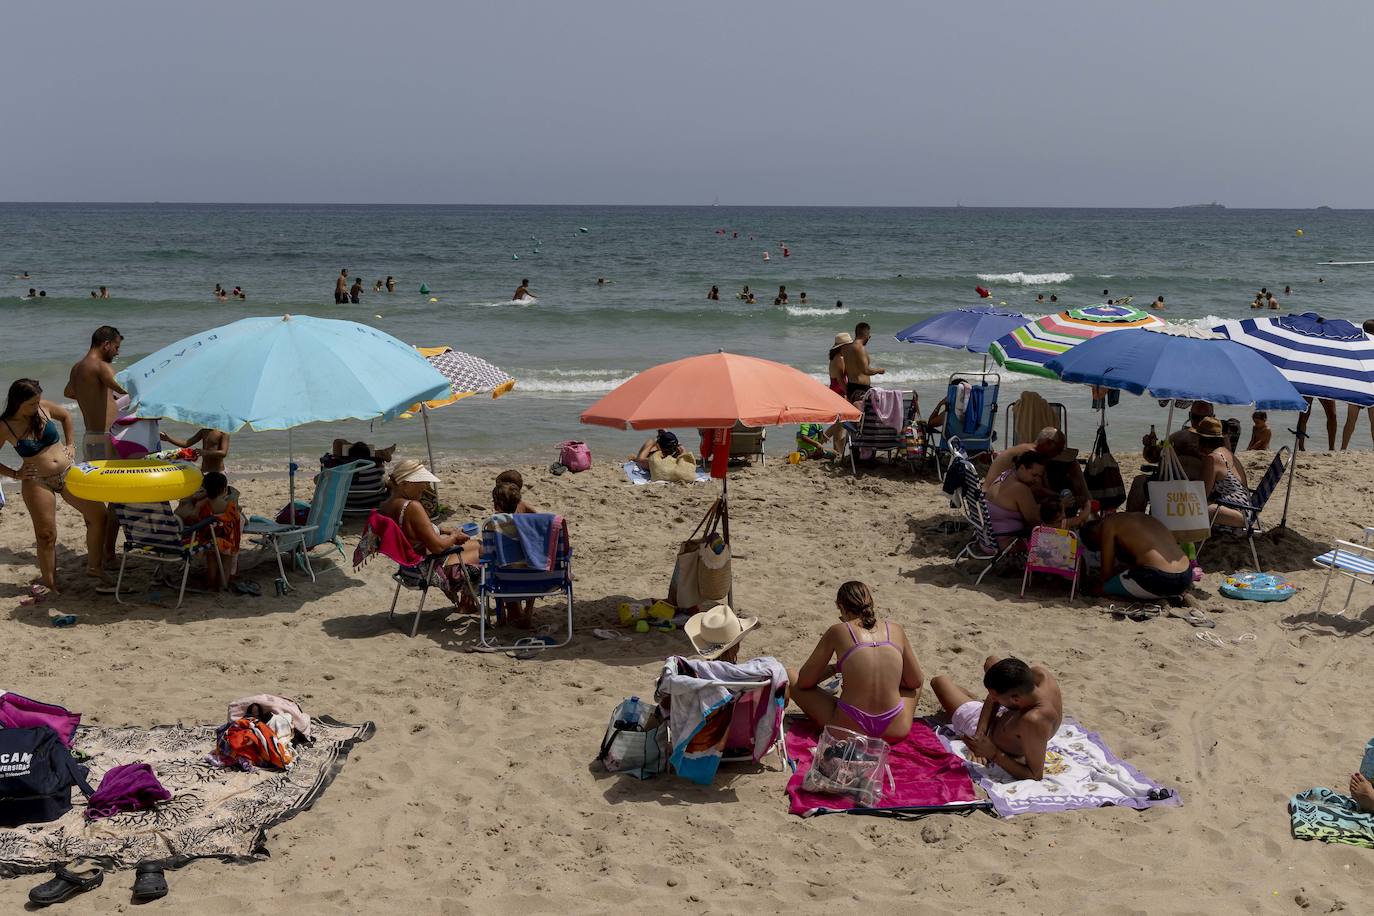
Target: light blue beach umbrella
278,373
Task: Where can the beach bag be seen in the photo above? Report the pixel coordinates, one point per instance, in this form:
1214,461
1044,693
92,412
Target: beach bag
1103,475
21,712
302,514
685,587
636,740
713,570
914,441
134,437
248,743
682,469
37,773
1179,503
575,456
848,763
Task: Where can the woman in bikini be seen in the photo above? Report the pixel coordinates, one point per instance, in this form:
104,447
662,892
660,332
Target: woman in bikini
1012,506
41,432
407,483
882,678
1222,474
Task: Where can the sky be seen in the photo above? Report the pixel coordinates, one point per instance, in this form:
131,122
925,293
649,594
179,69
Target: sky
752,102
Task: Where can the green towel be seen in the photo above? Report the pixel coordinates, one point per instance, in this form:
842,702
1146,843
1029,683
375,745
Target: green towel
1320,814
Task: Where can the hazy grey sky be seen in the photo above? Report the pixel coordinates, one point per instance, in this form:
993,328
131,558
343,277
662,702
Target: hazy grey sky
1012,103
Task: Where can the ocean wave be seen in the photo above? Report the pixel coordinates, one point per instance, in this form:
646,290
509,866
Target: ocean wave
805,311
528,300
1020,278
568,386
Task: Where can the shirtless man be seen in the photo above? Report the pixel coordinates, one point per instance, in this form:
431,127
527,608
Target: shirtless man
92,385
214,448
858,369
1013,726
522,291
1157,569
341,288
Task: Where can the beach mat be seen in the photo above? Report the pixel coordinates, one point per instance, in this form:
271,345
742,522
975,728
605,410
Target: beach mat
214,813
638,476
1080,772
1321,814
927,777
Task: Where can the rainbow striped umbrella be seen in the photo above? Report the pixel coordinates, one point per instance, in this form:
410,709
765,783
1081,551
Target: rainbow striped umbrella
1030,347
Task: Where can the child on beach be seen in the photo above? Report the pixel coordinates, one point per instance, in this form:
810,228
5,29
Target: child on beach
216,499
514,478
1260,435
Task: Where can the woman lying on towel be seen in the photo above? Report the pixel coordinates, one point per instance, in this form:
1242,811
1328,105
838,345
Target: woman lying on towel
407,482
882,678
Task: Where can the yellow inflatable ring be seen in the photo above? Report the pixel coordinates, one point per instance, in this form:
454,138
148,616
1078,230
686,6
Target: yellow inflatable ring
141,480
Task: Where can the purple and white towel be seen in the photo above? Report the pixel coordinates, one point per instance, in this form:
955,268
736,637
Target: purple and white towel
1080,772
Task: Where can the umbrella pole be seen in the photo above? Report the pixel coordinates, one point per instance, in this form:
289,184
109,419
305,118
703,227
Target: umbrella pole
424,412
1292,472
725,529
291,476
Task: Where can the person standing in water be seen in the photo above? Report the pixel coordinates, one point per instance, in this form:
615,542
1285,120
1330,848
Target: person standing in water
341,288
390,284
522,291
714,294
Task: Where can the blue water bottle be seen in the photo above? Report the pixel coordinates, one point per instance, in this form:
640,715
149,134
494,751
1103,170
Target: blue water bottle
1367,764
631,719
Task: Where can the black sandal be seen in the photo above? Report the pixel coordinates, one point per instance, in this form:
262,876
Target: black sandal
149,883
67,882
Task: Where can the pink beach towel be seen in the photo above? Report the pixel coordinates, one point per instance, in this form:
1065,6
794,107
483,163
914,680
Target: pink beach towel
925,773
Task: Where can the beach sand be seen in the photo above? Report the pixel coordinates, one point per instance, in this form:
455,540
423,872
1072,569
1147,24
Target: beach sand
478,795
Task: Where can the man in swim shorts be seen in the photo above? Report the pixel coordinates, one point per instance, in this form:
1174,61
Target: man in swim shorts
1013,725
92,385
341,288
858,369
1156,569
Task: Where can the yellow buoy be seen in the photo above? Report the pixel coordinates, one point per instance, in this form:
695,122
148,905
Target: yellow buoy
1299,233
140,480
432,299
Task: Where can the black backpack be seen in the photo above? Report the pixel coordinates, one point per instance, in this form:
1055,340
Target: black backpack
37,773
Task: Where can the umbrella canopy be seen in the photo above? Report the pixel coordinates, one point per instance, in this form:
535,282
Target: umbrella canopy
1322,357
276,373
1030,347
973,329
1169,363
467,375
715,390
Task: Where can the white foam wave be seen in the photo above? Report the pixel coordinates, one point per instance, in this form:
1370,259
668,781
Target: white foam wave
1206,321
808,312
896,378
1021,278
527,300
570,381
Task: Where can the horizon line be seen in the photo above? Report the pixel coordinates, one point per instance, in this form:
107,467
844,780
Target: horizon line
956,206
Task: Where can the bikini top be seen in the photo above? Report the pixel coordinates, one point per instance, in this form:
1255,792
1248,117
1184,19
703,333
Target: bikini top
839,665
27,448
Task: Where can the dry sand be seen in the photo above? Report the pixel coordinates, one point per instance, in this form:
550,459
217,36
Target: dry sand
477,794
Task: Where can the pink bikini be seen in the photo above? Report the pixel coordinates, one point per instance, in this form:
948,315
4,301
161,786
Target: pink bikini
873,725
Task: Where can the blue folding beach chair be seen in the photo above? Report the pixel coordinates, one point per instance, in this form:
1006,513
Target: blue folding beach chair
509,575
982,546
321,525
152,531
975,430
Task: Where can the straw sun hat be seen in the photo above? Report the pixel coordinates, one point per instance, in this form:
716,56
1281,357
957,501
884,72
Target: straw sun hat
716,631
408,470
841,339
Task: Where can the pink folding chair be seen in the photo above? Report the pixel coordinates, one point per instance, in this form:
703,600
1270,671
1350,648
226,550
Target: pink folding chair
1056,551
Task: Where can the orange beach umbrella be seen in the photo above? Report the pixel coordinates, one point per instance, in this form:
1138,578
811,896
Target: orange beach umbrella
713,391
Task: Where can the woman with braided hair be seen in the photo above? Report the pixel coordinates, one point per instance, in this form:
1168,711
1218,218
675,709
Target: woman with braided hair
881,677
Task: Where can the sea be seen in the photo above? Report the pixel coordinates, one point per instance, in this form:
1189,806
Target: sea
890,267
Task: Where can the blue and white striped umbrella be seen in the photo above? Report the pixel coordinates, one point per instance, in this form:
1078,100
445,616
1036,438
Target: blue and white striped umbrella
1322,357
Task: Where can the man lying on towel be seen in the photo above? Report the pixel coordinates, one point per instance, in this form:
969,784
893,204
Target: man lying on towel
1156,567
1014,724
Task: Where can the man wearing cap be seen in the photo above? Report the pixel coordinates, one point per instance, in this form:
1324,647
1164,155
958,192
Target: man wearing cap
718,634
664,443
838,378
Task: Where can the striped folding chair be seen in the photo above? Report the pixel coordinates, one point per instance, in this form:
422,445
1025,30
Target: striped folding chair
507,576
1251,510
983,546
152,531
1354,561
321,525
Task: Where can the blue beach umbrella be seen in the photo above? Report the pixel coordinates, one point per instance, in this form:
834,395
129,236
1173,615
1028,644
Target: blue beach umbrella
1175,364
278,373
972,329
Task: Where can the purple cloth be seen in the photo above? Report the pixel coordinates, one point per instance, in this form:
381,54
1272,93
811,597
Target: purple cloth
130,787
887,407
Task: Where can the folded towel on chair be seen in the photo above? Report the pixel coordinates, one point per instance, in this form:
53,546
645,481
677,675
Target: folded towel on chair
887,407
924,775
1080,772
539,536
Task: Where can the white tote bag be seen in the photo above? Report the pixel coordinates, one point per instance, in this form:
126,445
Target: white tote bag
1180,503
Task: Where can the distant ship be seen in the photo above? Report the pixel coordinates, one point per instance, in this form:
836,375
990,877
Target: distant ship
1212,206
1323,207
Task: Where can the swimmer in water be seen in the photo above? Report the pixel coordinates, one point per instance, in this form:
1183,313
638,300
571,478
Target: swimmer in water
1054,297
1159,303
602,281
1040,299
32,292
23,276
782,294
42,294
522,291
839,304
751,300
391,284
377,287
744,292
94,295
803,298
104,293
714,294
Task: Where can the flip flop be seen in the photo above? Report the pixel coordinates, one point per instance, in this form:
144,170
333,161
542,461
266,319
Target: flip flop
149,883
64,620
530,646
69,880
105,588
602,633
36,596
1195,617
